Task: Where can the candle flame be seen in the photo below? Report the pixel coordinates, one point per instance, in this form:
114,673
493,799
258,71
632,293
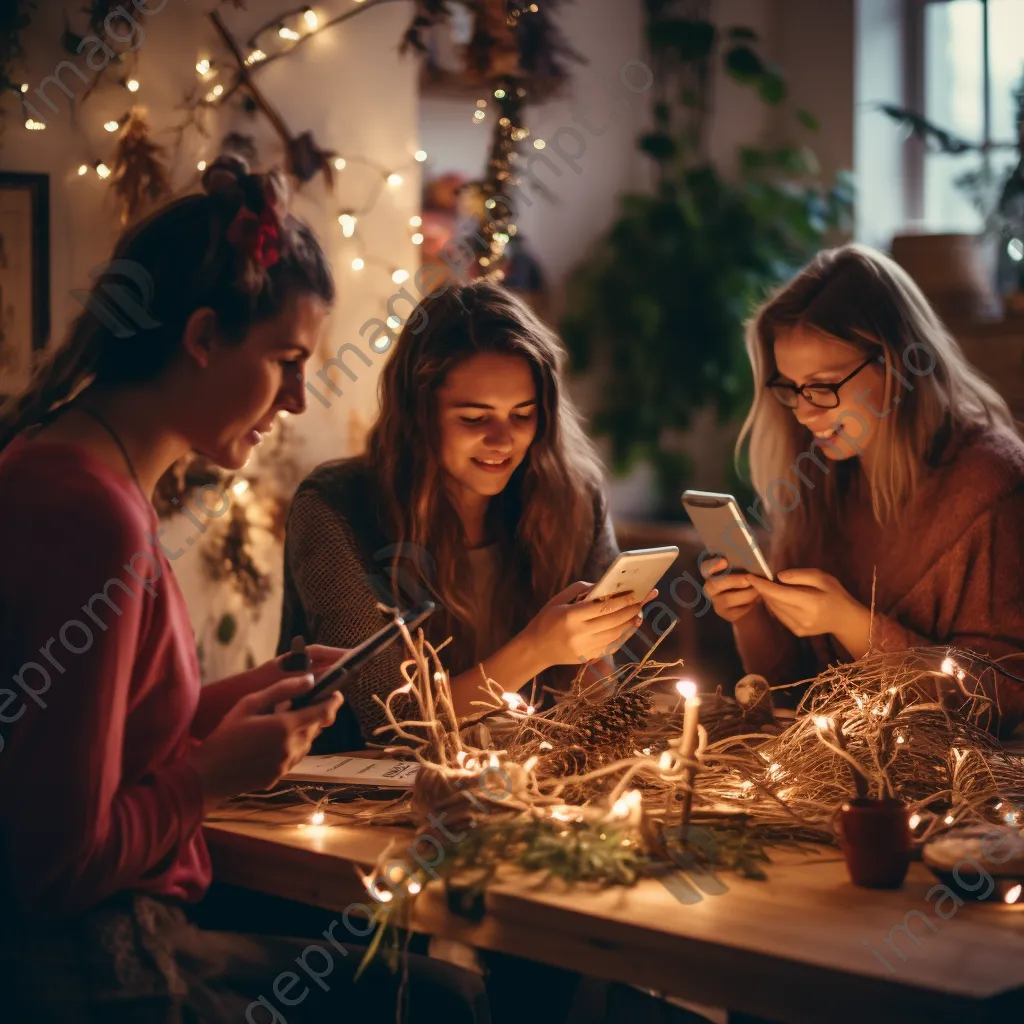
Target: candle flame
687,688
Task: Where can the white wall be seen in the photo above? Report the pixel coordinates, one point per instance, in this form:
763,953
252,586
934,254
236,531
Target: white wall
349,87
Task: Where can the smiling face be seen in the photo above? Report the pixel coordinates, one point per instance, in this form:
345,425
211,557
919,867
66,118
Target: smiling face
244,386
804,356
487,420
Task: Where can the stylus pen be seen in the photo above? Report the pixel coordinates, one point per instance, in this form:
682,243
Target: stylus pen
337,676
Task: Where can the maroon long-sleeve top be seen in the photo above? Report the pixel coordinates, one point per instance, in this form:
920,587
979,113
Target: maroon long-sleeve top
100,684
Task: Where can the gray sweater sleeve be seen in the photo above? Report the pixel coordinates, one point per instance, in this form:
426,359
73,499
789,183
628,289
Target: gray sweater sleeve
340,606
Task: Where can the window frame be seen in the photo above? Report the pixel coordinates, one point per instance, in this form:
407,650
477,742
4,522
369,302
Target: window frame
914,64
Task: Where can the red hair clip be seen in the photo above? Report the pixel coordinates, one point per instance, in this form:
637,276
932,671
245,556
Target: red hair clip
257,235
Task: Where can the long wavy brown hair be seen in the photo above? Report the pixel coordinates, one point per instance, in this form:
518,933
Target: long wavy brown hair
861,297
544,519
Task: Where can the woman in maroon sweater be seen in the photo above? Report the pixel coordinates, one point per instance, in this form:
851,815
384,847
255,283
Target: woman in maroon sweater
110,751
885,467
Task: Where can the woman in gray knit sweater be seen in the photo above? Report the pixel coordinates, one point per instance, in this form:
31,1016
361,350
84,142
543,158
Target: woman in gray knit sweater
478,489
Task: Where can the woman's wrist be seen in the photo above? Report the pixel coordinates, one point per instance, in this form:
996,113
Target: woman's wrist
529,653
853,627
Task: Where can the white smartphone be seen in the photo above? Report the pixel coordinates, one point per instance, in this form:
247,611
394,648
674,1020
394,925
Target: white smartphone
720,523
637,571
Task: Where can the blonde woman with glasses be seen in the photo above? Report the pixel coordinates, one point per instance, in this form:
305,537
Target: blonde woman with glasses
884,465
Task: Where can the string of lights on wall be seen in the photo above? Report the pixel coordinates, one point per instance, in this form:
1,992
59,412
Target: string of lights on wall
280,36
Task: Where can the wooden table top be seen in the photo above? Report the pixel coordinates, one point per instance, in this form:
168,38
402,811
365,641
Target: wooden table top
800,947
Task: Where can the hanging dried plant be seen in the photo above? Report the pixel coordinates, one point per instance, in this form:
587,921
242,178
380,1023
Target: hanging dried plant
140,178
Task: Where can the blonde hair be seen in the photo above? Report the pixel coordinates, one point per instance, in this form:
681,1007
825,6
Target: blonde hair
859,296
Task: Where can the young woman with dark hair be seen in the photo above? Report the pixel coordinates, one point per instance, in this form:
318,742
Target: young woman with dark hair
886,468
479,489
111,751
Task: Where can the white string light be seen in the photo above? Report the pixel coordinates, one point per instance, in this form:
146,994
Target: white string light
83,169
112,126
132,85
203,67
358,263
348,224
310,18
420,155
102,169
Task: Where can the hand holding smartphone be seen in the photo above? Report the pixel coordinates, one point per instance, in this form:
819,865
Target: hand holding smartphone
336,677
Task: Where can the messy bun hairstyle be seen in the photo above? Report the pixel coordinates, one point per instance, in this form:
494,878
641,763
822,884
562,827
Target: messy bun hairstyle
233,249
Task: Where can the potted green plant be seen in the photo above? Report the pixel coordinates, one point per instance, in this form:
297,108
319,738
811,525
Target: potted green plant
658,305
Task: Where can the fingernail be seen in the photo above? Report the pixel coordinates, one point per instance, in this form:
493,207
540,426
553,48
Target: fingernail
308,679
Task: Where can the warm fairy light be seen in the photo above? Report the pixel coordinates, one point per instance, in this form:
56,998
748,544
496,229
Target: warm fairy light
112,126
822,723
201,166
203,67
530,709
1015,249
999,805
24,87
83,169
34,126
915,820
534,8
211,96
627,804
499,94
399,276
481,104
310,18
348,224
287,33
394,180
393,322
415,221
218,90
317,819
255,57
687,688
665,761
414,887
478,115
240,487
784,794
948,819
1010,817
1012,895
103,170
373,888
420,155
417,239
545,746
530,763
949,666
132,85
513,700
493,761
340,164
565,812
539,143
900,738
460,758
358,263
775,771
746,786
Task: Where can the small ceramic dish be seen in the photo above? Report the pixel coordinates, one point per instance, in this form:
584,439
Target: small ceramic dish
980,862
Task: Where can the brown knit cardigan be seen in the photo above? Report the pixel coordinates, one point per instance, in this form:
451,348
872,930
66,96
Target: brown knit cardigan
951,571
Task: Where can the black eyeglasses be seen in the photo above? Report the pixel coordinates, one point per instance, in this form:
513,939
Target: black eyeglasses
821,396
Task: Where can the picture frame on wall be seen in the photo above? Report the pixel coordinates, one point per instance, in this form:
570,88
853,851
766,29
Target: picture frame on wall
24,275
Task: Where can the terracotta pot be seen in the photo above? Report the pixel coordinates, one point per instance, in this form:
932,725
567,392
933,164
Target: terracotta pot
950,270
876,841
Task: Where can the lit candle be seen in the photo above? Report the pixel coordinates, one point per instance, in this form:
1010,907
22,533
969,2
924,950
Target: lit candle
688,745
